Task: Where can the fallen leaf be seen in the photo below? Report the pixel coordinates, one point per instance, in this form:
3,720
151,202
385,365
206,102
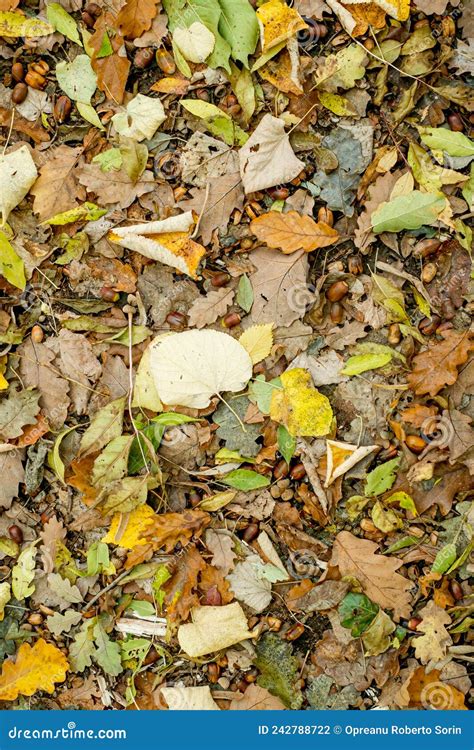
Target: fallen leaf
189,698
292,231
376,573
192,366
212,629
206,310
17,175
55,190
300,407
258,341
267,158
431,647
277,23
280,289
437,366
167,529
135,17
35,668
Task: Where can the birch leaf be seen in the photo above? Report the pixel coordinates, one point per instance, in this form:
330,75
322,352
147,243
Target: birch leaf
23,573
17,175
258,341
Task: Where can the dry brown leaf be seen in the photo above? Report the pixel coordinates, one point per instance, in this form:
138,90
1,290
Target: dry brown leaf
293,231
212,582
33,130
376,573
206,310
437,367
121,189
55,190
256,698
222,547
38,370
12,473
224,194
279,285
180,589
135,17
52,534
112,70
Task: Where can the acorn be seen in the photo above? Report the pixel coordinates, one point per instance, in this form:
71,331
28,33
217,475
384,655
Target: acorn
426,247
415,443
144,57
455,123
336,313
15,533
298,472
429,272
87,19
35,80
41,67
394,334
231,320
250,532
165,61
62,108
37,334
176,320
355,265
220,279
18,71
19,93
278,193
337,291
94,10
108,294
281,470
326,215
428,326
296,631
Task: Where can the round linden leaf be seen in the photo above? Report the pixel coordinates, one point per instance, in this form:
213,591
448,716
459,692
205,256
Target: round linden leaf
195,43
190,367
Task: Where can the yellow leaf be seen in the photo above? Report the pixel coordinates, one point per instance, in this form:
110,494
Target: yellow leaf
399,9
126,528
343,456
337,104
277,23
258,341
3,381
300,407
283,72
15,24
168,241
36,667
5,596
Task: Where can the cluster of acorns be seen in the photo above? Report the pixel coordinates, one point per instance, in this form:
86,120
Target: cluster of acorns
35,78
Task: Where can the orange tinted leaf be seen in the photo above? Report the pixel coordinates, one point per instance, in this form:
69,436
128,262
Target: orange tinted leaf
437,367
213,578
172,85
35,668
166,530
135,17
180,589
292,232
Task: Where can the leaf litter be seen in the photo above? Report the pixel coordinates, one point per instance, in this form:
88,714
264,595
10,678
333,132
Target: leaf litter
236,355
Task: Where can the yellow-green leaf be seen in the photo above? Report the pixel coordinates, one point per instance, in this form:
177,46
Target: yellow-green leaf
11,265
15,24
300,407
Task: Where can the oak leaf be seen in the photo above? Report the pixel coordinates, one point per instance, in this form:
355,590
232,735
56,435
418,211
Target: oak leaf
437,367
37,370
281,293
431,647
206,310
293,231
35,668
166,530
376,573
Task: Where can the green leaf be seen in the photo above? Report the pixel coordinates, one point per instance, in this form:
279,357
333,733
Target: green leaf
109,160
105,49
12,267
77,78
127,494
159,579
322,698
172,418
218,122
112,463
23,573
260,392
107,654
182,14
63,22
55,461
445,558
286,443
381,479
405,501
410,211
279,669
363,362
86,212
98,560
88,112
405,541
239,27
356,611
245,479
237,437
82,649
104,427
444,139
244,297
385,520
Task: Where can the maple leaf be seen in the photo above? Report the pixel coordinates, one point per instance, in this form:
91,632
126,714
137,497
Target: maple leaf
38,371
35,668
166,530
437,367
135,17
376,573
293,231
